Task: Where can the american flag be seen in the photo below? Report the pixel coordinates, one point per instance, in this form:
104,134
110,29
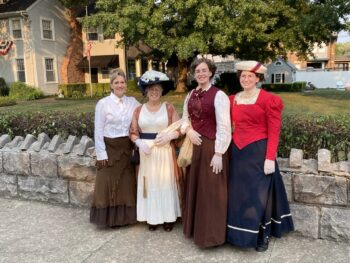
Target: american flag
88,49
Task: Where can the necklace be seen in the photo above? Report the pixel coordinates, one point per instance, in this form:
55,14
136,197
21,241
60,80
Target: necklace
247,95
244,98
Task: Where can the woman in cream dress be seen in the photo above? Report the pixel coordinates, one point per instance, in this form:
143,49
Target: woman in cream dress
157,194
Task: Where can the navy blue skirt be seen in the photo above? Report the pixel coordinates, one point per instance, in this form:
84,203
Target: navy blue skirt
257,203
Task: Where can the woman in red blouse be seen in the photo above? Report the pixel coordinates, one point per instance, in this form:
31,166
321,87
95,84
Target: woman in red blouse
257,205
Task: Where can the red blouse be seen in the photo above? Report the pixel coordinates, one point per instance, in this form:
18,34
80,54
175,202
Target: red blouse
253,122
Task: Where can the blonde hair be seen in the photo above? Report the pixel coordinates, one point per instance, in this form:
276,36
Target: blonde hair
115,73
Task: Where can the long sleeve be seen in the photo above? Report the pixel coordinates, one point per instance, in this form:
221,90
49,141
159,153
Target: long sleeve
273,118
100,120
134,132
186,122
223,122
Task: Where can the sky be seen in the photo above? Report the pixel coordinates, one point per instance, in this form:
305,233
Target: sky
343,37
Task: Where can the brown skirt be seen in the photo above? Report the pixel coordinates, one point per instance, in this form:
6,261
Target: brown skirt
114,200
205,209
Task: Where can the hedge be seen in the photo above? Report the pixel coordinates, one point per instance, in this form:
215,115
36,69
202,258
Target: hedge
287,87
22,91
80,90
311,133
6,101
308,133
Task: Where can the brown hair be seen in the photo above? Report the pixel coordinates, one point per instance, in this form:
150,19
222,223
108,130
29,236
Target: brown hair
210,64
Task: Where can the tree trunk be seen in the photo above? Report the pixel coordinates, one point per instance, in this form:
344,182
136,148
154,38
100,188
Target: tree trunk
182,76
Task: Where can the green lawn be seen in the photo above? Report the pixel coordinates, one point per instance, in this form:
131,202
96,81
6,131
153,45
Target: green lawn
323,102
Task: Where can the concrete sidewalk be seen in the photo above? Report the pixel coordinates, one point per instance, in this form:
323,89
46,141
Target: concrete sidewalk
40,232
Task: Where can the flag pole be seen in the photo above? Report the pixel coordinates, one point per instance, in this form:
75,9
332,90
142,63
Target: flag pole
90,76
88,53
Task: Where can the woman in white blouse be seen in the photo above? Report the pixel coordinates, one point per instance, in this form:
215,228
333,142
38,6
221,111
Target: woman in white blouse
207,123
114,200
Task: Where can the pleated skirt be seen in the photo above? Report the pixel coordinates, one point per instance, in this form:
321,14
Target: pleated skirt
205,208
257,203
114,199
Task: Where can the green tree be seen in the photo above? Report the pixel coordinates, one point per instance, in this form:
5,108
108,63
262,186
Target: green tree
342,49
259,29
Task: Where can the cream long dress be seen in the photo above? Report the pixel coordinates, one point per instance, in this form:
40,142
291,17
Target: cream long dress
156,171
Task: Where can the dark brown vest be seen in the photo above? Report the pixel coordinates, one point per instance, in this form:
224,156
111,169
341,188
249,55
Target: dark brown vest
201,112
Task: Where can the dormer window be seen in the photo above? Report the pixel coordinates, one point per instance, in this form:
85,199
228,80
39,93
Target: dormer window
278,63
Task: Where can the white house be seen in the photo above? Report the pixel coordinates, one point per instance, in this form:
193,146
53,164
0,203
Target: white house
40,34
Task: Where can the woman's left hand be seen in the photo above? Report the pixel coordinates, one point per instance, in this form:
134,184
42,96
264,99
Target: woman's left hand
269,167
216,163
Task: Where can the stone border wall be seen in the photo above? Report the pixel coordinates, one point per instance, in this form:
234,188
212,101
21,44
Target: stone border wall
63,172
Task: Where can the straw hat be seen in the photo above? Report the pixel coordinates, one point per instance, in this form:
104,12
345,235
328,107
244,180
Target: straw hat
252,66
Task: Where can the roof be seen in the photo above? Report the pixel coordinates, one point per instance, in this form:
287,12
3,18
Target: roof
108,61
289,64
343,58
16,5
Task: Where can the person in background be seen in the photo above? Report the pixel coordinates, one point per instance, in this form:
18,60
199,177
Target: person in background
114,199
157,190
206,116
257,206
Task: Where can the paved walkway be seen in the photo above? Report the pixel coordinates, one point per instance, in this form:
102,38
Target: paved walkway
40,232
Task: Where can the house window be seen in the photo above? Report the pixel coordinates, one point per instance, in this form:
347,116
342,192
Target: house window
21,75
278,78
278,63
144,65
50,70
105,73
131,68
92,34
47,31
16,29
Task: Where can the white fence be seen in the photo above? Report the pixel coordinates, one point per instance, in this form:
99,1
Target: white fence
325,79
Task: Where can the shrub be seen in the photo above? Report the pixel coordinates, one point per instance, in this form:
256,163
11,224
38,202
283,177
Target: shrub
79,90
6,101
287,87
22,91
4,89
311,133
52,123
132,85
308,133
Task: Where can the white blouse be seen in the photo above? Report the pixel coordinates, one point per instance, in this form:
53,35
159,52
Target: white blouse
223,122
113,117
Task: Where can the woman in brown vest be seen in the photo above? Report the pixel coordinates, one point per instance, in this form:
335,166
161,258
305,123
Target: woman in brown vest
114,200
206,117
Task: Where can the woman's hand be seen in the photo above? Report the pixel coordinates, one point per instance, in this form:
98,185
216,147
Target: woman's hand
269,167
101,163
216,163
194,136
143,146
164,138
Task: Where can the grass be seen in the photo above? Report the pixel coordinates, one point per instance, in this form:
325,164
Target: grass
321,102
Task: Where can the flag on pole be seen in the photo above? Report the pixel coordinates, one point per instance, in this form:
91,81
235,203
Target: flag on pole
88,50
5,47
